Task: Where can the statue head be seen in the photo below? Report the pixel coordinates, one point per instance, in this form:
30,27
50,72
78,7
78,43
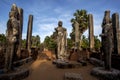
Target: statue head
14,7
107,16
12,14
60,23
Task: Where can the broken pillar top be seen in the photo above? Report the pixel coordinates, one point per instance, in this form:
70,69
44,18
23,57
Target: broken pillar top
107,11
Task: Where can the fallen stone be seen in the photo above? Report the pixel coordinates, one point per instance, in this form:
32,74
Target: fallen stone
72,76
83,62
96,62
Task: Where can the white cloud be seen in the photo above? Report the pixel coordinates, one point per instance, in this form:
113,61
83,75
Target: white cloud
58,10
45,25
24,35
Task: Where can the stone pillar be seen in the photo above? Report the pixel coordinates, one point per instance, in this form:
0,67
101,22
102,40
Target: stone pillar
29,34
91,31
20,11
77,36
116,32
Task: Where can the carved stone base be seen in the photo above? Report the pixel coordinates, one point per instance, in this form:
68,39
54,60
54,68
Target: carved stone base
96,62
67,64
18,74
103,74
72,76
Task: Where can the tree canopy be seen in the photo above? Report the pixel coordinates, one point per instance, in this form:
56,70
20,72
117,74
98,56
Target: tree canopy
49,43
81,17
2,38
36,41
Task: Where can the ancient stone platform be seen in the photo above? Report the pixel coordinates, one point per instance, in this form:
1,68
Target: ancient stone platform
18,74
96,62
67,64
72,76
103,74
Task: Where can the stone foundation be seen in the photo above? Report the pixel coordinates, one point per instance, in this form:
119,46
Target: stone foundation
68,64
103,74
96,62
15,75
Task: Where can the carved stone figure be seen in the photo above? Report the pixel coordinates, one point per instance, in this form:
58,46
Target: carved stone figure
61,41
12,39
107,39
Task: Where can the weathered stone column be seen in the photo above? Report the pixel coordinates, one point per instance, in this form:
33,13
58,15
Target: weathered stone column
77,36
91,31
29,34
116,32
20,11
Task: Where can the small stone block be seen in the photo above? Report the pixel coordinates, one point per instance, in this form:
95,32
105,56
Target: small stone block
72,76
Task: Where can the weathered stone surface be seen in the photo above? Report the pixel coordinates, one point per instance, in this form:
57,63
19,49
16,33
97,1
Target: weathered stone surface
77,36
96,62
83,62
116,32
107,39
72,76
29,34
103,74
12,37
61,41
67,64
20,18
15,75
91,31
22,62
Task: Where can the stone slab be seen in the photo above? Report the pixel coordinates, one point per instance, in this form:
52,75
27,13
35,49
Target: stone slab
66,64
103,74
72,76
15,75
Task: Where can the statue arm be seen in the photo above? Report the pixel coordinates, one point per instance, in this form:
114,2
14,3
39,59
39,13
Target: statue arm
8,27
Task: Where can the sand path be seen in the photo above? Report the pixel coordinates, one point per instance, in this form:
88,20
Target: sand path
45,70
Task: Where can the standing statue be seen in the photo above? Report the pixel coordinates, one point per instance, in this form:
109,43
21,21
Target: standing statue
61,41
107,39
12,36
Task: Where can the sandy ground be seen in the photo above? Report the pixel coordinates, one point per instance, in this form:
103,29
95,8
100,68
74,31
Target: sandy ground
45,70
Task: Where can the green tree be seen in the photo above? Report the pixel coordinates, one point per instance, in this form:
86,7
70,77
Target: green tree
2,38
23,43
36,41
84,42
49,43
81,17
69,43
46,41
97,43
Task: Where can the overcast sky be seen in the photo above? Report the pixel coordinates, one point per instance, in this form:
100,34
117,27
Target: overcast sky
47,13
